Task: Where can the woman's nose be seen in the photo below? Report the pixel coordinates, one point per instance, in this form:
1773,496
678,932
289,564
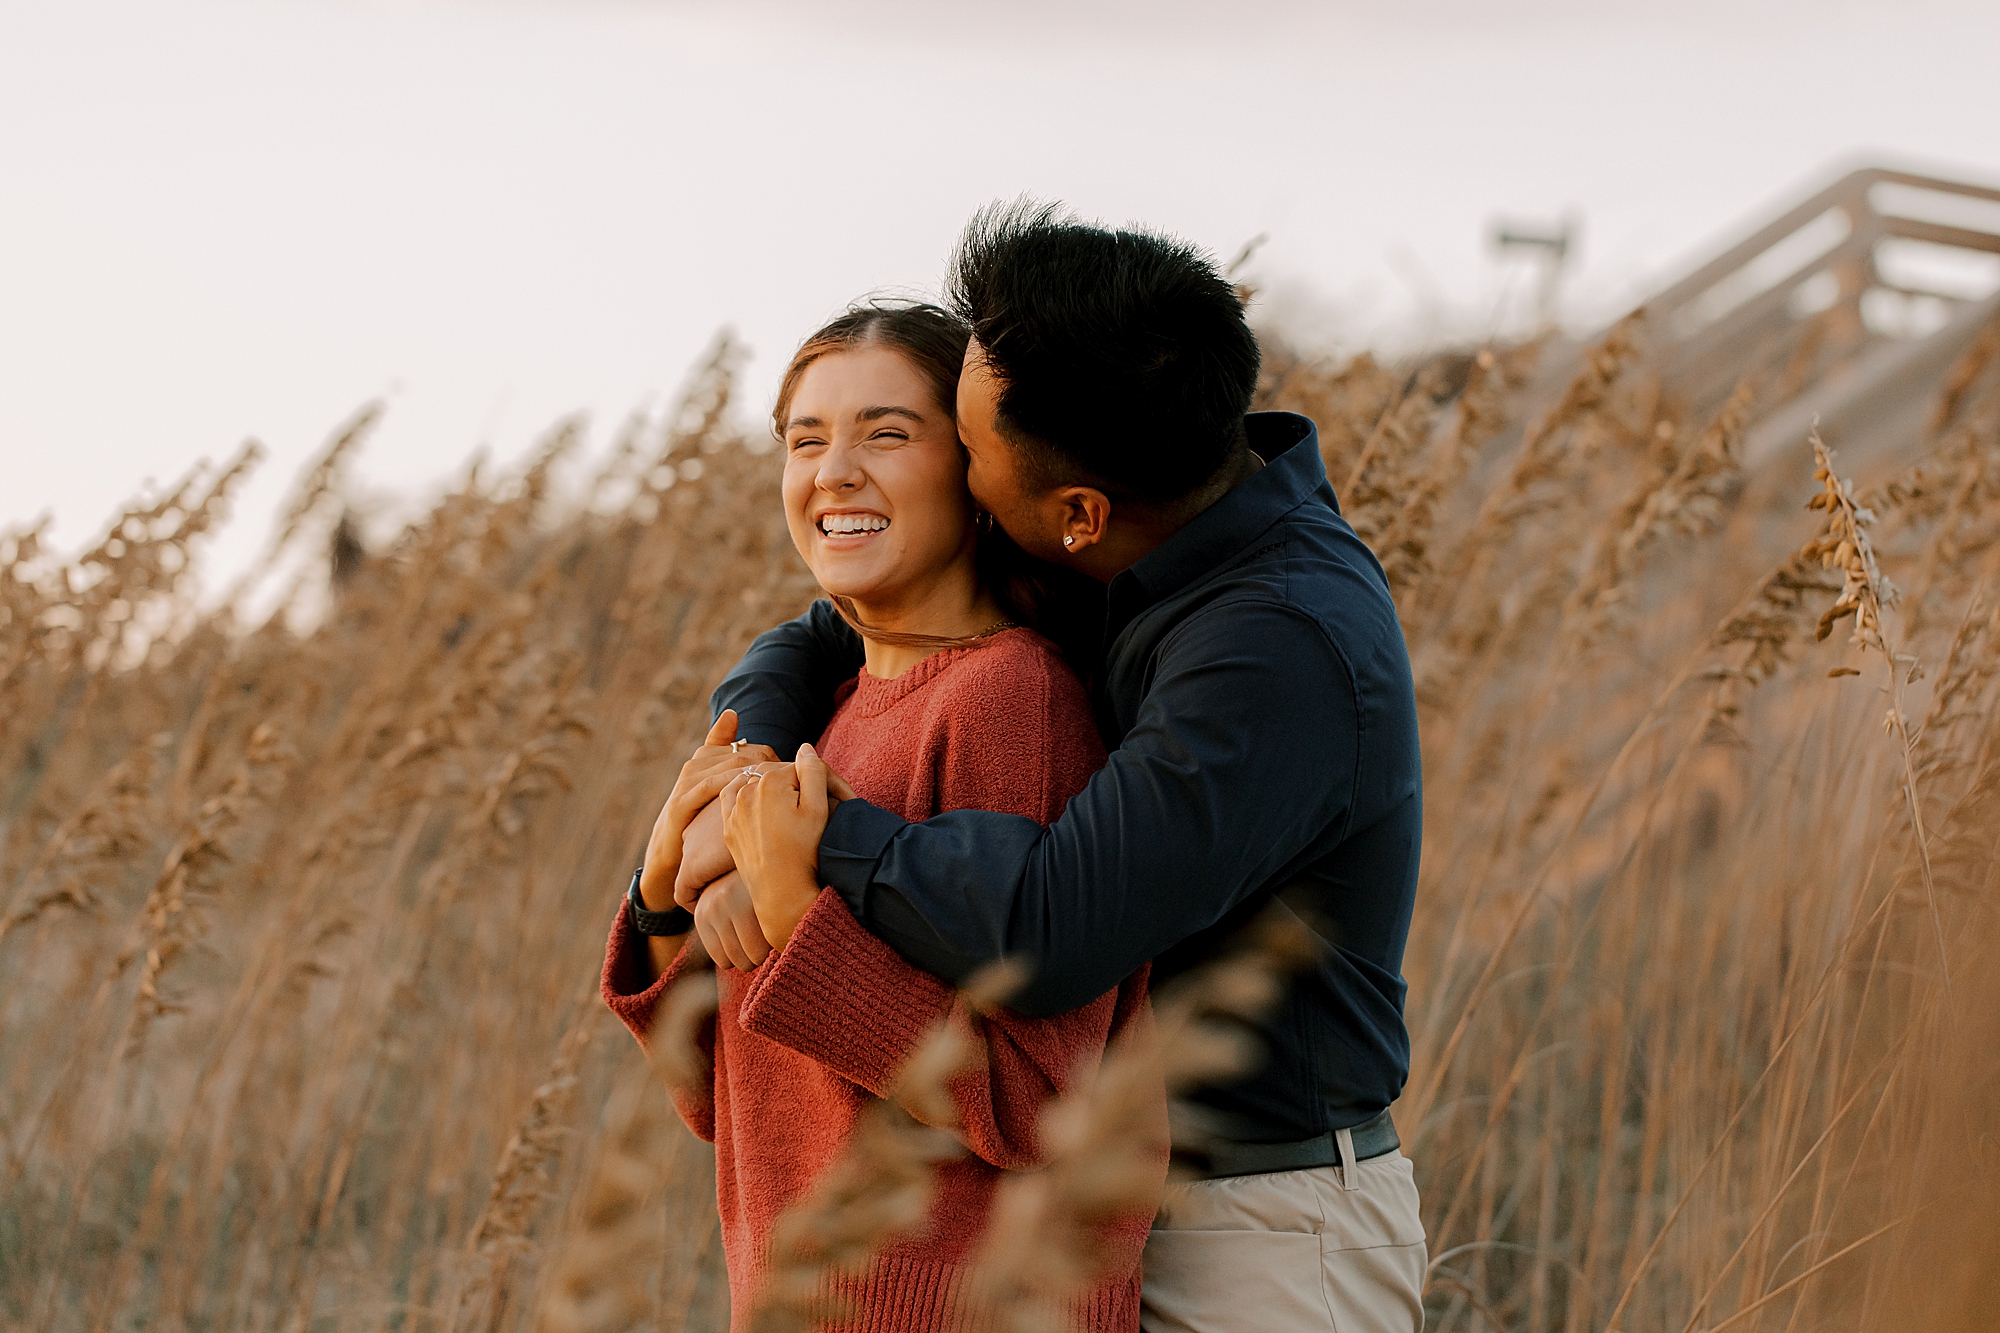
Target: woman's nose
840,469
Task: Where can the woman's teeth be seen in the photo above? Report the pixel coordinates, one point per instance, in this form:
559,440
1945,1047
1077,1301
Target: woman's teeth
837,525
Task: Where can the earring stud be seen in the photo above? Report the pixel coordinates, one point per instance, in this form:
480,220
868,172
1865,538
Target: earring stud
1069,541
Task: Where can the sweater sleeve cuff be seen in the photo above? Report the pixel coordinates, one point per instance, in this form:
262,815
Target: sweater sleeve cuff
838,995
851,848
627,988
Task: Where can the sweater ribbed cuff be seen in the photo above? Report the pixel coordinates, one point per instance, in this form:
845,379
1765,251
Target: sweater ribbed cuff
838,995
851,847
626,985
629,993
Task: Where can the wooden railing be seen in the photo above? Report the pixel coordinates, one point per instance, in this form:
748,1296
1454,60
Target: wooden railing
1817,273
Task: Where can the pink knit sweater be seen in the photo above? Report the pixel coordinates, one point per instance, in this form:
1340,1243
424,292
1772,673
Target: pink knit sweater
820,1029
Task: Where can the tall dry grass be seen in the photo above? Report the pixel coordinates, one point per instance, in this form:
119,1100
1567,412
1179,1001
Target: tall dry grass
300,919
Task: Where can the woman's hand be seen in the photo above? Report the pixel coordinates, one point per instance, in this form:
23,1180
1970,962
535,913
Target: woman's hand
773,828
701,780
725,921
705,850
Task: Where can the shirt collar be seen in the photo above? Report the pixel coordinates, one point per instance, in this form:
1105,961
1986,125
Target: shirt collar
1289,445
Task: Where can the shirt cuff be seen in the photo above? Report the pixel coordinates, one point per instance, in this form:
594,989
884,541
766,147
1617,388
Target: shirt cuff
856,835
781,744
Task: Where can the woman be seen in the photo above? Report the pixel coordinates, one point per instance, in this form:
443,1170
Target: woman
960,705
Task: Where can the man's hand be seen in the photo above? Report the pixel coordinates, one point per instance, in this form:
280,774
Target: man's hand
773,829
725,921
705,855
704,775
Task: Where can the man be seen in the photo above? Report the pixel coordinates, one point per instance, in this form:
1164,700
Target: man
1256,687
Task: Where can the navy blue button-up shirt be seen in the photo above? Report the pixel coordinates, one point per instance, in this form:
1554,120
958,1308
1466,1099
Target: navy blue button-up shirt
1257,691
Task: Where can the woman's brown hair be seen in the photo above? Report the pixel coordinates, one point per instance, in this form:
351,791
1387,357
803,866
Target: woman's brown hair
1060,604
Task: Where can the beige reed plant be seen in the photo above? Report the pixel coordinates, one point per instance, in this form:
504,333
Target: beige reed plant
880,1187
1108,1140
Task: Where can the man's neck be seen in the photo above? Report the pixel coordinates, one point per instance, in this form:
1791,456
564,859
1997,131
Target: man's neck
1136,529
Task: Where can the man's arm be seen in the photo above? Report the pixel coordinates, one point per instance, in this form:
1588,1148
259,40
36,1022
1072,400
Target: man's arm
782,690
1245,749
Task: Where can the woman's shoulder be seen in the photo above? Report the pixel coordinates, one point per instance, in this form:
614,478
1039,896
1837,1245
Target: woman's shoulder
1020,683
1017,648
1006,680
1014,728
1013,659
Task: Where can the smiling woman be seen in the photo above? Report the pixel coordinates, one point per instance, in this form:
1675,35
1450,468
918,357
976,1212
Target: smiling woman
877,501
874,486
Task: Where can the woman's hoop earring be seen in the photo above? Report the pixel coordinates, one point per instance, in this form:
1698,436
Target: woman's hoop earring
982,522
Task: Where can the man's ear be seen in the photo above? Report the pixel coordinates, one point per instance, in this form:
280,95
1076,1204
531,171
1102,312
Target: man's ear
1085,515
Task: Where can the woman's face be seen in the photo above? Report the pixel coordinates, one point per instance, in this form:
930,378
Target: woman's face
875,489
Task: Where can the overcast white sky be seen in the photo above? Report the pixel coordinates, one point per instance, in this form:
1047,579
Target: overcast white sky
224,218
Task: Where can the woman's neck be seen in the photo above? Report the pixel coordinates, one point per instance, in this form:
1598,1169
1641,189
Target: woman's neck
959,612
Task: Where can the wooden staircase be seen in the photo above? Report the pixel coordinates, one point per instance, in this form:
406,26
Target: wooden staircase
1864,295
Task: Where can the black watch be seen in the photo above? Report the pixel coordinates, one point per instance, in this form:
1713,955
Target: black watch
679,921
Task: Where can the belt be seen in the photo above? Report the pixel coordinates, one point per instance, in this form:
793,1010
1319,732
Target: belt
1372,1138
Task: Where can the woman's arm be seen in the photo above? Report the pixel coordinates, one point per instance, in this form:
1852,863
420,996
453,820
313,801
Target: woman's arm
1019,737
840,996
640,970
638,992
719,758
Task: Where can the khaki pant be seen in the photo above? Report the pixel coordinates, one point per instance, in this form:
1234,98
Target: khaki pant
1291,1250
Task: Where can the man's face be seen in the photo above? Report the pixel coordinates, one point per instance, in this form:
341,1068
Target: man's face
1001,484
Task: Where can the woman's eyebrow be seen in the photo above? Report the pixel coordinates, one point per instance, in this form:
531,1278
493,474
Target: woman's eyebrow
877,413
807,422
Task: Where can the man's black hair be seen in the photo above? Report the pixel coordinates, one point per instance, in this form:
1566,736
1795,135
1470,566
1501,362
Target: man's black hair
1123,358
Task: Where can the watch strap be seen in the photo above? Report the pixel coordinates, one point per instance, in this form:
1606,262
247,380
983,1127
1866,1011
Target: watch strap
678,921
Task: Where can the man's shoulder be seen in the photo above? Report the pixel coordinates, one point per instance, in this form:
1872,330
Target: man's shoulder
1311,563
